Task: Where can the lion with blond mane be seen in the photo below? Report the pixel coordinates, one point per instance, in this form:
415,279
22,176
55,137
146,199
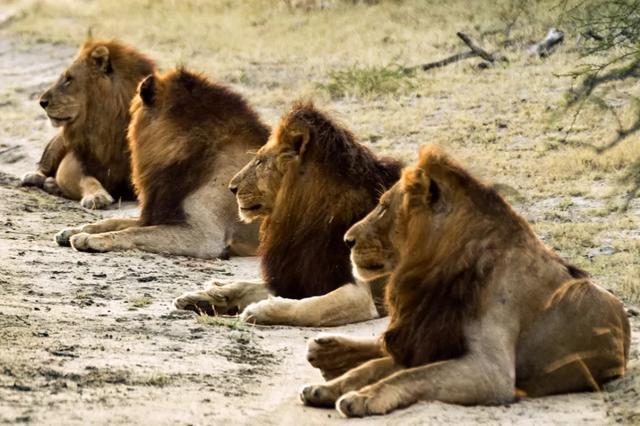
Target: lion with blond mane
89,159
481,310
309,184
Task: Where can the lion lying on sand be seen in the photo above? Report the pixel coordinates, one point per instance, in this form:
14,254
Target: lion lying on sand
188,136
89,159
480,309
309,183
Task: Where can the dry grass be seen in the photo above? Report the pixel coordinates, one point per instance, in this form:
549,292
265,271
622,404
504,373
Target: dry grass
507,123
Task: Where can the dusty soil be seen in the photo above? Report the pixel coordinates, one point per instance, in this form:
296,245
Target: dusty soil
91,338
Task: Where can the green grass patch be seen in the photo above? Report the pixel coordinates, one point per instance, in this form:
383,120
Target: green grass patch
232,323
142,302
369,81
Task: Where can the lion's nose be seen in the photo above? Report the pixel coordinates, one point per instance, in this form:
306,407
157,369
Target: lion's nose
44,103
349,241
233,189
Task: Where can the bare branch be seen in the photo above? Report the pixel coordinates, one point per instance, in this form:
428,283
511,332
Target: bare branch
475,48
451,59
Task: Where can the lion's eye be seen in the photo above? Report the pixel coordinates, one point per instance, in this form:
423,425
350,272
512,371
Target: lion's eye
258,161
67,81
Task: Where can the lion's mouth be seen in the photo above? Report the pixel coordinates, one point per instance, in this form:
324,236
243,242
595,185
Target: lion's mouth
370,270
59,121
373,266
254,207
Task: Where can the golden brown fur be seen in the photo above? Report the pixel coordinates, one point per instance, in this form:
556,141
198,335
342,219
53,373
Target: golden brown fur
479,306
188,136
309,183
167,166
90,158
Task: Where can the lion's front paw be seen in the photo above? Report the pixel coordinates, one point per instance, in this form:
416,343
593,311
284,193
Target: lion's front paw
326,353
63,238
195,301
33,179
334,354
271,311
220,298
85,242
318,396
353,404
99,200
364,402
51,186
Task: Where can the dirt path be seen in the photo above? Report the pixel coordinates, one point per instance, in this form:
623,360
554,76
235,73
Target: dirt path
91,338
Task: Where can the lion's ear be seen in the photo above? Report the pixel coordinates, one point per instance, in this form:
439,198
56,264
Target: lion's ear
416,188
299,139
148,90
435,194
100,56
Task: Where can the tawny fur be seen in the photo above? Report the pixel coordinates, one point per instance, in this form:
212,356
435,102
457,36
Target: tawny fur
479,306
309,183
90,158
188,136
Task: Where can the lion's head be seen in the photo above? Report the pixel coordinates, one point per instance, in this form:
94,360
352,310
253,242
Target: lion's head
377,240
103,76
256,186
309,183
421,211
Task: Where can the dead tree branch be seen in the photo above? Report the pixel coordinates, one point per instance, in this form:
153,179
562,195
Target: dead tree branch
542,49
479,51
475,51
451,59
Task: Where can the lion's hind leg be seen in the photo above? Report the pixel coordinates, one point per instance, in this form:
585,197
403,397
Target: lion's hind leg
580,341
76,185
335,354
223,298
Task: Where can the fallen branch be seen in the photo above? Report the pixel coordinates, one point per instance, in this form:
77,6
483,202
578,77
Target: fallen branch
475,50
451,59
542,49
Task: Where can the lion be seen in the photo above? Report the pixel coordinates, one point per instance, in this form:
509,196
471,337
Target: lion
481,310
88,160
188,136
308,184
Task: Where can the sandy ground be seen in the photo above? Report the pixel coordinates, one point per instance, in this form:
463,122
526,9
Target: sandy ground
92,339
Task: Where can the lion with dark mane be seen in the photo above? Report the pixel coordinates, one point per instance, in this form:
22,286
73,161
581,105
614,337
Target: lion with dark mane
89,159
188,136
309,184
481,310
